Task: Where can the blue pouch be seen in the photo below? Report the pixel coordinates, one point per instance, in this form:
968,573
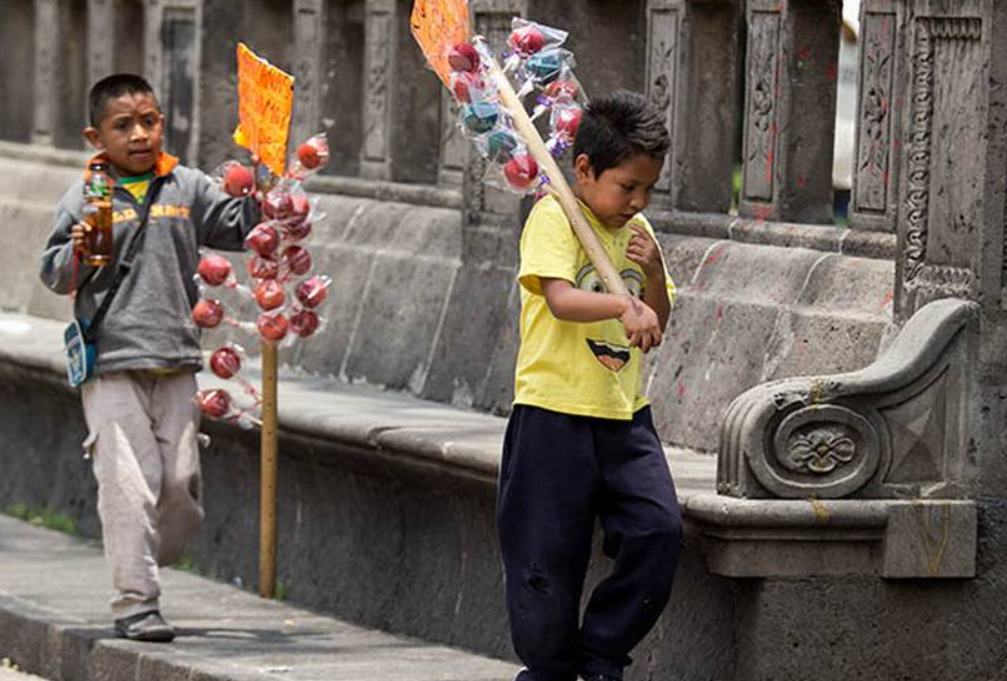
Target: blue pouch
80,353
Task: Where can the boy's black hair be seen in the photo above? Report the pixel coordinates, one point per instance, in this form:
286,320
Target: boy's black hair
113,86
619,126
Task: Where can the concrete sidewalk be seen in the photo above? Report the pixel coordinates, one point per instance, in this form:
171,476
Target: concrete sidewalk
54,621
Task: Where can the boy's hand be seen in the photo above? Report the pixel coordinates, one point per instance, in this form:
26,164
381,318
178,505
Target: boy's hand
641,325
644,252
77,233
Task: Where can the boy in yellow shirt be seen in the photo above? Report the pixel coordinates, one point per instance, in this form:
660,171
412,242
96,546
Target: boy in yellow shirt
580,443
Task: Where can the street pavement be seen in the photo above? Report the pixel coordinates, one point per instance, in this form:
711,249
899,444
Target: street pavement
54,621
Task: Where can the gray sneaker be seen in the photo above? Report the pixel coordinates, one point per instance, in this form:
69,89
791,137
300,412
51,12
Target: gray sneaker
145,626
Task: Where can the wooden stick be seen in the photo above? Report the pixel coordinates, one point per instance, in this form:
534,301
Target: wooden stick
267,509
557,181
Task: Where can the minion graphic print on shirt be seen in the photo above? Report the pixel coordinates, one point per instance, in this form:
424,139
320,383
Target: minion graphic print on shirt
587,369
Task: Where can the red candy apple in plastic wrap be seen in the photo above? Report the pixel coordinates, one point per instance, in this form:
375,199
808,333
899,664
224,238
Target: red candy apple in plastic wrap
260,267
264,239
269,294
208,313
225,362
296,261
215,270
273,326
304,323
237,180
312,291
218,404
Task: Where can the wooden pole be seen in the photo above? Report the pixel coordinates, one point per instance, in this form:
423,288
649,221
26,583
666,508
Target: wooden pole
267,508
557,181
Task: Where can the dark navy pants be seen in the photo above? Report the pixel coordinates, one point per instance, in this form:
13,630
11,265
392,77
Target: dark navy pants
559,473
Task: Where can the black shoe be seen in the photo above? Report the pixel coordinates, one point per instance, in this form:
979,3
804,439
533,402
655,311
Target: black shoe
146,626
600,677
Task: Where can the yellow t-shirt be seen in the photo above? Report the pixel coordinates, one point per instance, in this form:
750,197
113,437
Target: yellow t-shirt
137,186
587,369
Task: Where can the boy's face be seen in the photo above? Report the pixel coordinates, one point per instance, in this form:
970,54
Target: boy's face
129,133
620,192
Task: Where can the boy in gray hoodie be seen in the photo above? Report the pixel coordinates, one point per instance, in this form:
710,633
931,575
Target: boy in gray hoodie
140,405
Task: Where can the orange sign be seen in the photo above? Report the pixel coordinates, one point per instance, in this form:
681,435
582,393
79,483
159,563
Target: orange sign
438,25
265,105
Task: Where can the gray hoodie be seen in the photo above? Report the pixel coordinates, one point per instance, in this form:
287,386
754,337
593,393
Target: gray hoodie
149,324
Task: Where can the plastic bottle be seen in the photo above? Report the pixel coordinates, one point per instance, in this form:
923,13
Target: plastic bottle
98,248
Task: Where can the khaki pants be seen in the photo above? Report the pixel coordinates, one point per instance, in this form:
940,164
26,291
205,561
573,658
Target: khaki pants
142,436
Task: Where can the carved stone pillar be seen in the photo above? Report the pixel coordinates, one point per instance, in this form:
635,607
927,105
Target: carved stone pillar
309,23
691,57
946,201
874,200
402,99
45,95
790,108
100,55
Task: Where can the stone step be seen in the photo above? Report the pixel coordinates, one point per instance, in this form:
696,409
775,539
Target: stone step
54,621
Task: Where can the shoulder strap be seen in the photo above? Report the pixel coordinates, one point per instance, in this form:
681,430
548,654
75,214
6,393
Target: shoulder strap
126,264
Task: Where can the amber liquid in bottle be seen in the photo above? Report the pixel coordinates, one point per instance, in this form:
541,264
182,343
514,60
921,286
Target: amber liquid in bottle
98,248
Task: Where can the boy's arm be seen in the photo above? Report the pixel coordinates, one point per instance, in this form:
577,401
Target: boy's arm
574,305
56,269
222,221
644,251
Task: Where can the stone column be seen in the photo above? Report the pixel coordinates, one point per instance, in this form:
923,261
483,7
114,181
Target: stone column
100,55
951,165
874,200
379,56
309,22
691,56
45,95
790,109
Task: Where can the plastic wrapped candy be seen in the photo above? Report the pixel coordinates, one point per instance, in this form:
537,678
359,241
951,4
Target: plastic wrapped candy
296,261
236,179
314,153
521,171
277,204
214,403
464,57
294,231
269,294
225,362
529,38
547,66
260,267
208,313
215,270
563,91
470,87
218,404
499,146
272,326
304,323
480,117
312,291
565,123
264,239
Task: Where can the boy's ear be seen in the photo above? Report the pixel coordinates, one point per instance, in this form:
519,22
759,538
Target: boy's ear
582,169
93,138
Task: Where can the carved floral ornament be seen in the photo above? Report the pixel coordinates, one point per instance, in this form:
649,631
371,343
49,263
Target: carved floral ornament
819,450
822,450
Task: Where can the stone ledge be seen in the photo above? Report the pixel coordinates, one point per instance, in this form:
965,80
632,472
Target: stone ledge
893,539
387,428
827,238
